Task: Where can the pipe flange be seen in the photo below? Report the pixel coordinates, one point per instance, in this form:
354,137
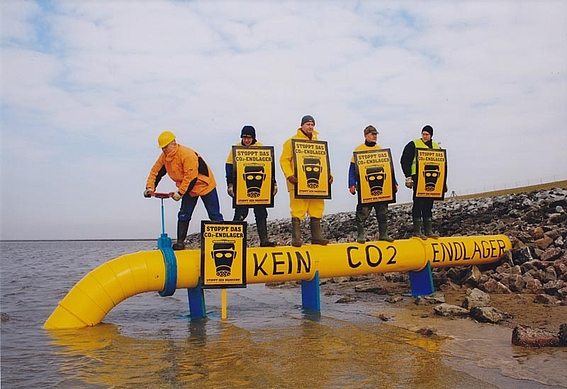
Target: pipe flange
170,272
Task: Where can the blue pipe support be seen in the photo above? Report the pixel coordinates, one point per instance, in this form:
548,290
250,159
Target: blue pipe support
310,293
421,282
196,299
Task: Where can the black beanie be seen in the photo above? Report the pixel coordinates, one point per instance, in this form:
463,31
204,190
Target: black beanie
429,129
248,130
307,118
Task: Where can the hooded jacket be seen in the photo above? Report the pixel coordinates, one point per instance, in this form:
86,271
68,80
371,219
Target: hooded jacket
286,159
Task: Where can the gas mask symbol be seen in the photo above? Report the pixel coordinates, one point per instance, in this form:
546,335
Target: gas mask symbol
223,254
254,176
375,177
312,169
431,174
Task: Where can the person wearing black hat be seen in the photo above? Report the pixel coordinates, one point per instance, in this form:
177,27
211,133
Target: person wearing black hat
422,207
299,207
364,210
248,139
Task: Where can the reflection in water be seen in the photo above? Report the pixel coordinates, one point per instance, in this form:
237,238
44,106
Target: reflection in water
304,350
101,356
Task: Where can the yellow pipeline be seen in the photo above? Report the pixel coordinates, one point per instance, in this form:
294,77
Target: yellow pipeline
90,300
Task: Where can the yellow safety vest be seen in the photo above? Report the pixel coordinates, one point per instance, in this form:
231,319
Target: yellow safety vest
419,144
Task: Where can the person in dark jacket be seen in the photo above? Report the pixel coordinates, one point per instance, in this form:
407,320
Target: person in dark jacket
248,139
422,210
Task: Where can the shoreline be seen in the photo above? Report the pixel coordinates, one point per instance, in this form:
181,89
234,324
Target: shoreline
518,308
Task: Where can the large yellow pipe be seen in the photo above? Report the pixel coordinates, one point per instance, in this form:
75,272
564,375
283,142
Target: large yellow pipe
90,300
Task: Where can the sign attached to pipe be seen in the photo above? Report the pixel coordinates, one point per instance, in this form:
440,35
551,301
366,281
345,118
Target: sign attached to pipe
223,254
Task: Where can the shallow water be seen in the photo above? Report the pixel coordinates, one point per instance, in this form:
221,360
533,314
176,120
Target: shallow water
267,341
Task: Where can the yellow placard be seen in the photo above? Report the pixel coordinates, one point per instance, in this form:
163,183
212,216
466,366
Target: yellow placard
254,175
431,171
375,176
223,254
312,169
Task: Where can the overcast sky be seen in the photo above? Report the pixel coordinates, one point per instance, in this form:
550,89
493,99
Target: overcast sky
87,86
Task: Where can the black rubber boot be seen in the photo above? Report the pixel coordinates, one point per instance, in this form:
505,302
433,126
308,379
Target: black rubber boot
316,232
417,227
296,232
383,230
263,234
428,228
360,236
182,228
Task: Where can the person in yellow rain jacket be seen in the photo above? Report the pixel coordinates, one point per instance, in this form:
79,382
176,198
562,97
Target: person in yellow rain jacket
299,207
248,139
193,178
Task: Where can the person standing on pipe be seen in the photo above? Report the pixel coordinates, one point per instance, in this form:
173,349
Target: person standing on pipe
193,178
364,210
299,207
248,136
422,207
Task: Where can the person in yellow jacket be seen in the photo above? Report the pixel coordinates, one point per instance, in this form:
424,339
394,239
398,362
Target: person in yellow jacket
364,210
248,139
421,211
299,207
193,178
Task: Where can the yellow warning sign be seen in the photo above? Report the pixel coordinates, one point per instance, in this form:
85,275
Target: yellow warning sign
223,254
375,176
254,176
312,168
431,173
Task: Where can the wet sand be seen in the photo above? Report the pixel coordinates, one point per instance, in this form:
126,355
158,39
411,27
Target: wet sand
483,350
520,308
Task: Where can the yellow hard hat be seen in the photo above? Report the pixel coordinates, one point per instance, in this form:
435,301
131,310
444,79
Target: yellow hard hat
165,138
